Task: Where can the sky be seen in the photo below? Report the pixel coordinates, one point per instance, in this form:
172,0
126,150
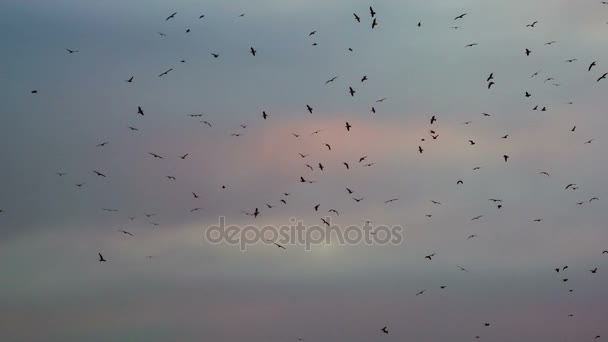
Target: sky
53,287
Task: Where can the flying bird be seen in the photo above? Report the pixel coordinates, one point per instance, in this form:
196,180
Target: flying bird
101,258
171,16
165,72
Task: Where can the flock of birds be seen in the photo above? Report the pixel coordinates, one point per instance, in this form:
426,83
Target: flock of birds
373,21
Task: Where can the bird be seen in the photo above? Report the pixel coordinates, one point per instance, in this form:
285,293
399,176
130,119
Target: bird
358,199
593,270
125,232
215,55
140,111
602,77
506,157
420,149
101,258
184,156
252,51
165,72
276,244
102,144
420,293
357,18
99,174
133,128
309,108
532,25
471,236
491,77
460,16
384,330
463,269
571,185
155,155
351,91
331,80
471,45
348,126
591,66
194,195
391,200
328,146
528,52
490,85
433,119
71,51
430,256
374,23
476,218
171,16
528,94
571,60
372,12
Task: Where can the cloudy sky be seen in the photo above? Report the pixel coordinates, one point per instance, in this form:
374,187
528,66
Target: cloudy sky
53,287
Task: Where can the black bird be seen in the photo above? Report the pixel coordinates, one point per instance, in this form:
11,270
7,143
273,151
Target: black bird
506,157
346,165
102,144
430,256
130,80
140,111
309,108
184,156
420,149
374,23
166,72
215,55
276,244
528,94
349,191
72,51
101,259
460,16
328,146
195,195
348,126
351,91
602,77
171,16
331,79
385,329
252,50
371,11
34,91
532,25
593,270
433,119
491,77
364,78
591,66
125,232
490,85
155,155
99,174
357,17
264,115
528,52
